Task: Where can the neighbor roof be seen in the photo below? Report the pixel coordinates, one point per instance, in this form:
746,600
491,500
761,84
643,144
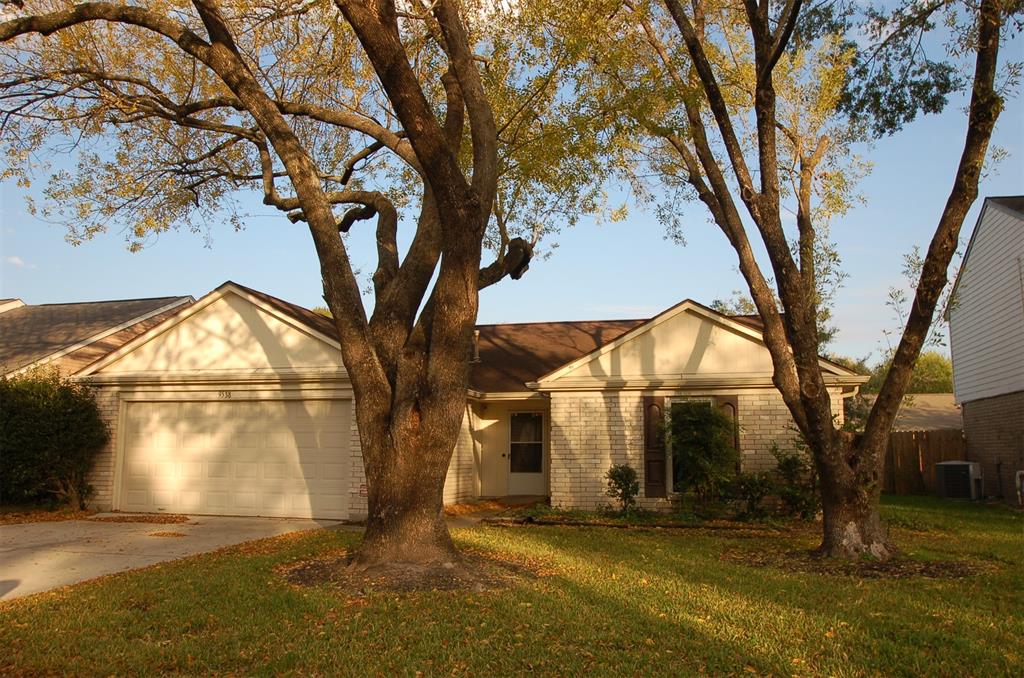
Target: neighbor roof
925,412
1013,202
34,333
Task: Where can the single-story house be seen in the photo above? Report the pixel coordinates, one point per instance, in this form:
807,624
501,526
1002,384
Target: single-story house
239,404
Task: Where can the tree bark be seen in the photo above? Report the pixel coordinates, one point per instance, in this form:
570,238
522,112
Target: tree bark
405,518
851,485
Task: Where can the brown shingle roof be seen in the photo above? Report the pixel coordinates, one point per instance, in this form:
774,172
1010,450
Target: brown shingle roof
33,332
513,354
1013,202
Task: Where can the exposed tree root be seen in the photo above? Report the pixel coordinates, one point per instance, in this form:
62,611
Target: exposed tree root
469,572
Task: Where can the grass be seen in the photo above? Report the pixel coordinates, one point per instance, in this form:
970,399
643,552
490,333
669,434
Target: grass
611,602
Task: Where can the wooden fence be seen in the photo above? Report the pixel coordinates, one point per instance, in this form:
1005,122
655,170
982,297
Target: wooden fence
911,457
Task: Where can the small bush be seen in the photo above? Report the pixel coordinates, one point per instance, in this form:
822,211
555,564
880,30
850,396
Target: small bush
798,483
752,489
50,433
704,454
623,485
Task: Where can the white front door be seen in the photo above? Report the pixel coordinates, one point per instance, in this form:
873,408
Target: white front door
283,458
526,454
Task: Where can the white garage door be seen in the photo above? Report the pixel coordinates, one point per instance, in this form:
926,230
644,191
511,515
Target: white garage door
285,458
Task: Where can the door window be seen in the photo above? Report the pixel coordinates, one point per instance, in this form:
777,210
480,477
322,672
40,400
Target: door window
526,447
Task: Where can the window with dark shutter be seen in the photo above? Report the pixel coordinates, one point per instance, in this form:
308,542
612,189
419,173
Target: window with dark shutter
654,446
730,405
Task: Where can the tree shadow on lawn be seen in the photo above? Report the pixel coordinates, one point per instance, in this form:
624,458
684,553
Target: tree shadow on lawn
778,621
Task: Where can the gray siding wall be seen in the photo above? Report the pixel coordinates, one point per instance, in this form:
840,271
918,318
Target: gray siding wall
987,315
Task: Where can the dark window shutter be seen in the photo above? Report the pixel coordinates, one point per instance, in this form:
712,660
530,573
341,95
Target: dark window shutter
654,446
730,405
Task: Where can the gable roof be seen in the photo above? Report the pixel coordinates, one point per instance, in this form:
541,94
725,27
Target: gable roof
33,334
745,325
1011,203
302,319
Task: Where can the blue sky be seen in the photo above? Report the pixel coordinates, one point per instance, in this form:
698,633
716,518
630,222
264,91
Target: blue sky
621,270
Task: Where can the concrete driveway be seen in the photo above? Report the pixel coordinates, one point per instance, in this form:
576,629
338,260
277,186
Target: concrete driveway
41,556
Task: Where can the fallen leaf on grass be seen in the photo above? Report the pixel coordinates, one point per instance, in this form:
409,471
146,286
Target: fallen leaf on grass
156,518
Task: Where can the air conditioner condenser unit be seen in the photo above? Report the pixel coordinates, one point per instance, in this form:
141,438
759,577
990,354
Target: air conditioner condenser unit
959,480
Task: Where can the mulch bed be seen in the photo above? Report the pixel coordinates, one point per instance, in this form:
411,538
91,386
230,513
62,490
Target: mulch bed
894,568
155,518
472,572
42,516
484,505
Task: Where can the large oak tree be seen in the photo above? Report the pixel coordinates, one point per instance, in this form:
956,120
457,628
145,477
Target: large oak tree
342,115
754,107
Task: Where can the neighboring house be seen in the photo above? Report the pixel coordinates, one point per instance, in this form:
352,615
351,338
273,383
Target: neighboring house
986,333
71,336
239,404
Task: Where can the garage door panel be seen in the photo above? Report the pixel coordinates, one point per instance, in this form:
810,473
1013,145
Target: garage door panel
273,458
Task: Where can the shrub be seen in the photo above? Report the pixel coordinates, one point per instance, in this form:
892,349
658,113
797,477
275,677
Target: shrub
798,482
50,433
752,489
623,485
704,454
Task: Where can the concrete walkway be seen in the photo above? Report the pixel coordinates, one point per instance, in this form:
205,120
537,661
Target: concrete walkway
41,556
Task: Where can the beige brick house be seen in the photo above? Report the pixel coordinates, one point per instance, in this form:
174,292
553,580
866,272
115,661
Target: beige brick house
238,404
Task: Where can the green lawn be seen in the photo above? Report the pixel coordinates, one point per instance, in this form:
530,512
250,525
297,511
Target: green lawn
611,602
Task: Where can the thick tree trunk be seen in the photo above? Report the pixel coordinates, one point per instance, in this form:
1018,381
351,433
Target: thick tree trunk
851,487
406,449
406,465
405,520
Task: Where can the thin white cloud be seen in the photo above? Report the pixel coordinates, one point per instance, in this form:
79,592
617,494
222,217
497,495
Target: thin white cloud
18,262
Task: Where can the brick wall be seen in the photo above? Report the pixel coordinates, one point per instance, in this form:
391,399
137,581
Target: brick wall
590,431
102,475
994,428
764,419
357,492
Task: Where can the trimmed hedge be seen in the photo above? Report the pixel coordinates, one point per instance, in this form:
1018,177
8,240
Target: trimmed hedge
50,434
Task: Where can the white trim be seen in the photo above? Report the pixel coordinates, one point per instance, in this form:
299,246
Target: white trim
10,305
509,396
253,376
677,381
682,307
206,300
122,414
544,454
102,335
